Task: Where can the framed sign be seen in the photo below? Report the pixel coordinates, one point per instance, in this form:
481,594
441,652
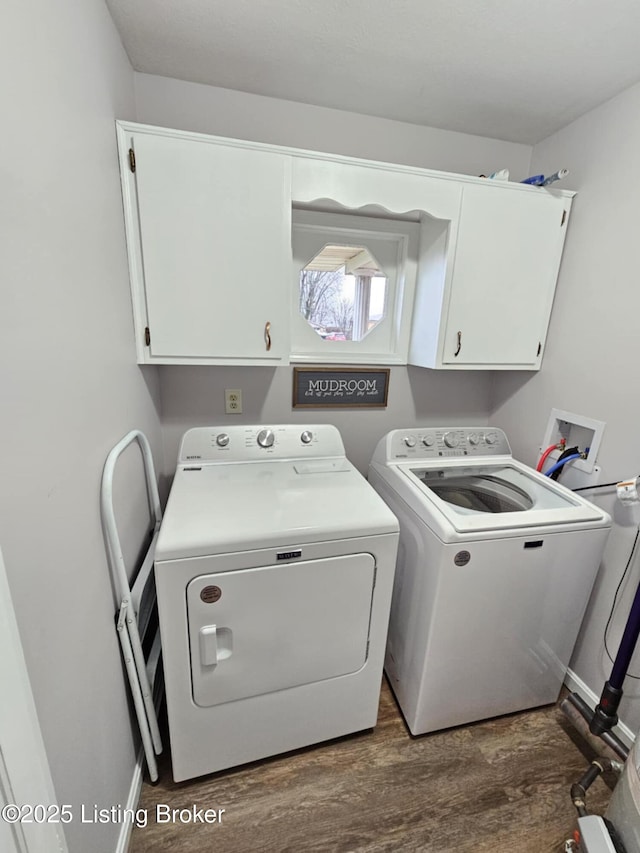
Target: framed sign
343,387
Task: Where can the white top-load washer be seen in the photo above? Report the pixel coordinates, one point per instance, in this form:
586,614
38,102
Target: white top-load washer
274,570
495,567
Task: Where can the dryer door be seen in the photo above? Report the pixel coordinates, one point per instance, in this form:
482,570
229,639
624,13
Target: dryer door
259,630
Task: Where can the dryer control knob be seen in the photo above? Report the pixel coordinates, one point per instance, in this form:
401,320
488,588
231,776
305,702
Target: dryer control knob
410,441
491,438
266,438
306,437
451,439
428,441
474,439
222,440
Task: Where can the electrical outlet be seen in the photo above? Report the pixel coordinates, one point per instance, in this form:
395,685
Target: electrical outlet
233,401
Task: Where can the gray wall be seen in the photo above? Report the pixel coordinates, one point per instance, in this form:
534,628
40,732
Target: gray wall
195,396
226,112
592,361
70,387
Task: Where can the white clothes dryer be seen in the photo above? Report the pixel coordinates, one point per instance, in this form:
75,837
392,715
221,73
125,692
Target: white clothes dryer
274,571
495,567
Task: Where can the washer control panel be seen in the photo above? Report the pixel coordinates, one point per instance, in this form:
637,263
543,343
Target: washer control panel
443,442
256,443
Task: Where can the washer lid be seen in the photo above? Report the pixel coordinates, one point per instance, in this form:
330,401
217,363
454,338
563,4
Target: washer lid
216,509
497,496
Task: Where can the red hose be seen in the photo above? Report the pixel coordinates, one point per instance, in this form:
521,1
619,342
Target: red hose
550,449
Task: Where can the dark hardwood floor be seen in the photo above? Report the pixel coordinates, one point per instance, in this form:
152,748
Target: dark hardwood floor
500,786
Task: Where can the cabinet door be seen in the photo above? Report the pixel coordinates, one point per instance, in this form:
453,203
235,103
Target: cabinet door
214,224
506,264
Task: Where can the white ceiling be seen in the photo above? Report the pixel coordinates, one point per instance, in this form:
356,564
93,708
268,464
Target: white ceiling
510,69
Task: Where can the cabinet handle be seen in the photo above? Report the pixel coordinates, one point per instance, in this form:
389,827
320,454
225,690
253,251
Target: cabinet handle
267,335
457,352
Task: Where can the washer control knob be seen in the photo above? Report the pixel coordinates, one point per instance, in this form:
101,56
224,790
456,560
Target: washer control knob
410,440
222,440
451,439
306,437
428,441
266,438
491,438
474,438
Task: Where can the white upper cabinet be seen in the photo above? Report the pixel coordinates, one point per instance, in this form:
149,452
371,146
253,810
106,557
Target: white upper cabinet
496,301
209,235
251,254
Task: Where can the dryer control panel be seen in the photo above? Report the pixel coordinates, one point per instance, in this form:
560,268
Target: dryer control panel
443,442
256,443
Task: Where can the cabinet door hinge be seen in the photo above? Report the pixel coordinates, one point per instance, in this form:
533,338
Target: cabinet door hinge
539,349
147,336
132,159
564,218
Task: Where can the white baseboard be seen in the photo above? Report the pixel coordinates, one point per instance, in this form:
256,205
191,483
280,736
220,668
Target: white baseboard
577,685
132,803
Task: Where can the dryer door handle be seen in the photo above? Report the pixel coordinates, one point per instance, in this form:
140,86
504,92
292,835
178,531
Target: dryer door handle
216,644
208,645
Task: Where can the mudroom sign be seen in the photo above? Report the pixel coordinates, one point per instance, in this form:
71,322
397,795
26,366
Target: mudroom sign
346,387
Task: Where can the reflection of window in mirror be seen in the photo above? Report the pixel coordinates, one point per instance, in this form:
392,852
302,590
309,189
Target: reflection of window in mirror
342,293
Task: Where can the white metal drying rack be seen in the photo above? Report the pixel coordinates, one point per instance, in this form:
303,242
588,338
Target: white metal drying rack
137,602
